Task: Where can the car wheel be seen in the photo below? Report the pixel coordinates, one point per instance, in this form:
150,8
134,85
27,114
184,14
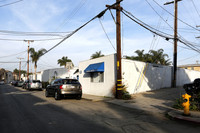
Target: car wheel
78,97
46,93
57,96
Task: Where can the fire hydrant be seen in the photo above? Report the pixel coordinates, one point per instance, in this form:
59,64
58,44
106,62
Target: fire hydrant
186,103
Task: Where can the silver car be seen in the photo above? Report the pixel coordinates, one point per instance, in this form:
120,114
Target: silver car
63,87
34,84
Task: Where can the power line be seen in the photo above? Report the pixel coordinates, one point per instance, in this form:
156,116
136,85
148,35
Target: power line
67,20
177,18
20,33
3,39
97,16
11,3
106,34
160,33
10,61
195,8
13,54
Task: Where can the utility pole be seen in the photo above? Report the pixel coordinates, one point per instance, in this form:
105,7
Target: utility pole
28,57
175,40
119,88
20,68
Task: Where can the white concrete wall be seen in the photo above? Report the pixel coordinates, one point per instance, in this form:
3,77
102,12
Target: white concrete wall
99,89
137,76
186,76
140,77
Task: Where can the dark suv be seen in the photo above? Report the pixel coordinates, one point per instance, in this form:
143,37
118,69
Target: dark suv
61,87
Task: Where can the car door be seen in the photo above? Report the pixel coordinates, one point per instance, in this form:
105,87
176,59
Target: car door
50,88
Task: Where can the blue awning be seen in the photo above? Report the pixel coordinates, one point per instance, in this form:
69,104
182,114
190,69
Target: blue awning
98,67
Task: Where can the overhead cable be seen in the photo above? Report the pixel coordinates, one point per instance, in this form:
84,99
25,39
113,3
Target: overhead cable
177,18
9,39
97,16
13,54
106,34
160,33
11,3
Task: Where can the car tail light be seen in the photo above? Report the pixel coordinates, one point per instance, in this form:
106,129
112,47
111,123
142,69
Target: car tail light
60,87
80,87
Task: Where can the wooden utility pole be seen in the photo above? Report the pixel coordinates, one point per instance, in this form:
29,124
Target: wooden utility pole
118,39
118,9
20,68
175,40
28,57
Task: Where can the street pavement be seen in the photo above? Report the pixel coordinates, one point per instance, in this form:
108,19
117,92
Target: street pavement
155,102
23,111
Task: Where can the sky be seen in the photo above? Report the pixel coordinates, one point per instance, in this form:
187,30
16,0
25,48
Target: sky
49,21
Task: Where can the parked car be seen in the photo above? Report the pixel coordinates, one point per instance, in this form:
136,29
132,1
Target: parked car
14,82
192,88
20,83
33,84
2,82
24,84
63,87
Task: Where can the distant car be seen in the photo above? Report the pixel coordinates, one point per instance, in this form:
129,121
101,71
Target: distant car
24,84
34,84
14,82
2,82
20,83
62,87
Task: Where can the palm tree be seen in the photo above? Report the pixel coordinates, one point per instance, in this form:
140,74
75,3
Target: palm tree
63,61
157,57
35,55
96,55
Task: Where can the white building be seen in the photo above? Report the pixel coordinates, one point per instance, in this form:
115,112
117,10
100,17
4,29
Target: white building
50,74
98,76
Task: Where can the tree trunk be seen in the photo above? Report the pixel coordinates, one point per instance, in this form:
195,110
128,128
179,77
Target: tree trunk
35,71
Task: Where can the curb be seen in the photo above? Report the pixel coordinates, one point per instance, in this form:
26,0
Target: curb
178,115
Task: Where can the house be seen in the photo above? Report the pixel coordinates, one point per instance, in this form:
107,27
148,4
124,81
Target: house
195,67
98,76
6,75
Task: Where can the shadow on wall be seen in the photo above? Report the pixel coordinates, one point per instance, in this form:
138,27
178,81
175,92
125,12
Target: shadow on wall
185,76
158,76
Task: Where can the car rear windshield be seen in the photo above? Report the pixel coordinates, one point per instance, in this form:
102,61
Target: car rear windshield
70,81
36,81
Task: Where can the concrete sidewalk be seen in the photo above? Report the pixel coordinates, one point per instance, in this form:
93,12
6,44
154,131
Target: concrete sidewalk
158,101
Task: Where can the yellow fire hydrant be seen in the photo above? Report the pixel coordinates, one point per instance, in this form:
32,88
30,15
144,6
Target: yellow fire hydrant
186,103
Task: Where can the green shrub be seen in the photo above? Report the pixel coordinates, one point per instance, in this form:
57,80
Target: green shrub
194,103
125,93
178,103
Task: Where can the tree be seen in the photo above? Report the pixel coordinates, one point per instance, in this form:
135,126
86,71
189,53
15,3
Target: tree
157,57
63,61
16,71
96,55
35,56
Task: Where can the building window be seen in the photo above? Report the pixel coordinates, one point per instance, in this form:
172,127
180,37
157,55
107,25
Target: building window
97,77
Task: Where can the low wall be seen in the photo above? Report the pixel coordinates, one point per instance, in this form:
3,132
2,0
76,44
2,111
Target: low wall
141,77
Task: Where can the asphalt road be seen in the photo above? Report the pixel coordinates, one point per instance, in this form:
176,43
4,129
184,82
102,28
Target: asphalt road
24,111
